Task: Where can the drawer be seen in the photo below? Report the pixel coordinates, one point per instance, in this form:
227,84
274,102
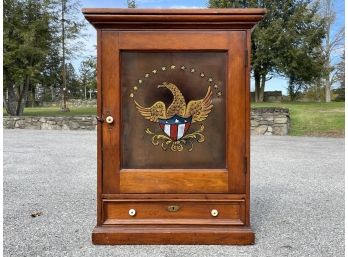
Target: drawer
223,212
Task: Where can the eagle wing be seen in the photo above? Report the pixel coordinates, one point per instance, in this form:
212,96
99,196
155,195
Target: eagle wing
153,113
199,109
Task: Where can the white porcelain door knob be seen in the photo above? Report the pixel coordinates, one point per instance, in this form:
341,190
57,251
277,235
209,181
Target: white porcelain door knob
109,119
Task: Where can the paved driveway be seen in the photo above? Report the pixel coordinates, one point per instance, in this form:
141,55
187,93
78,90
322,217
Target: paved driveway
297,202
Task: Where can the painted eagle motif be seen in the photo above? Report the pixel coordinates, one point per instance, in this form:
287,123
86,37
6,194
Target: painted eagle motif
197,109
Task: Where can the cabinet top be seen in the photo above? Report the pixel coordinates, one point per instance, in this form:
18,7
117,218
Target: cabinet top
178,19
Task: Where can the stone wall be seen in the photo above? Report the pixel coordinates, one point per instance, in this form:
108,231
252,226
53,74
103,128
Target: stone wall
72,103
51,123
269,121
269,96
264,121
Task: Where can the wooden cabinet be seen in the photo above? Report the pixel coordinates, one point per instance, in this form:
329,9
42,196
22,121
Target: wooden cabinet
173,136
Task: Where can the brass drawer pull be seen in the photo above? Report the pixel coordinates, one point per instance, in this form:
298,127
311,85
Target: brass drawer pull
214,213
173,208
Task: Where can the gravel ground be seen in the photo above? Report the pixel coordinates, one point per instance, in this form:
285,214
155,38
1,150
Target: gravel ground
297,201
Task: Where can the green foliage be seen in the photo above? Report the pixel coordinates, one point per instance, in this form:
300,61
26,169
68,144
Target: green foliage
32,49
338,94
88,73
227,4
26,44
285,41
301,59
131,4
73,27
339,76
72,80
313,119
314,92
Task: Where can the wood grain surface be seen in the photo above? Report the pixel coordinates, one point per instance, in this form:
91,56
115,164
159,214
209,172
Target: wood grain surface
192,192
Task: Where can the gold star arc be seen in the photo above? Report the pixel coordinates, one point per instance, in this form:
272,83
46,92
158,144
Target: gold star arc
173,67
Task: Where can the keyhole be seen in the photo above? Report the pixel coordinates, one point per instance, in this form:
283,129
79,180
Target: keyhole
173,208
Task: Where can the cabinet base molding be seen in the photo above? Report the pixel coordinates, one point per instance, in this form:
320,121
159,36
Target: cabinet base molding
189,235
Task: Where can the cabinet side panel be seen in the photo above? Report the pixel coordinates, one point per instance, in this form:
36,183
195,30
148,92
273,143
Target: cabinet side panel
236,112
247,127
111,107
99,129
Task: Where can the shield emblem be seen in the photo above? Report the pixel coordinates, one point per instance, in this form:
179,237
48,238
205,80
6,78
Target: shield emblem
176,126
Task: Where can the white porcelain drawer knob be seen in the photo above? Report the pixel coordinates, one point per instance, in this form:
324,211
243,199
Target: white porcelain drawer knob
214,213
132,212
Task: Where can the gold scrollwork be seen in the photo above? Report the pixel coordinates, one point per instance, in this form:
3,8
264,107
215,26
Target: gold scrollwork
186,142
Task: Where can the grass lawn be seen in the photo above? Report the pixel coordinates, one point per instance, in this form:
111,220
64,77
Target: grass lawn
307,119
54,111
313,119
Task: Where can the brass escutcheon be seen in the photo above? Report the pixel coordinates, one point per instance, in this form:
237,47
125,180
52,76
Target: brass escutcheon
173,208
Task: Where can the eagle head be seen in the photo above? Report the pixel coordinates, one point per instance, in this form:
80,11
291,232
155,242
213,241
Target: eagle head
164,84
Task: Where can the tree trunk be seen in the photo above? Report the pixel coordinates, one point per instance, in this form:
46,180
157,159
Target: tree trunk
64,86
5,105
53,95
11,102
262,88
329,14
257,79
11,105
23,97
327,90
33,96
291,89
317,91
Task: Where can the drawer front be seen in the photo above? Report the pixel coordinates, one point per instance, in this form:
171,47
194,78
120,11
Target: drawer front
215,212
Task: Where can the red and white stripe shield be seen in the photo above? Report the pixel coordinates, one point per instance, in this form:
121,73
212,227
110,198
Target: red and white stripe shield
175,127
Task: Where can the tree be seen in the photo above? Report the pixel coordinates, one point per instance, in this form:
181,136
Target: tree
64,107
301,59
131,4
67,44
88,74
51,73
269,38
339,76
332,43
70,30
32,52
72,80
26,45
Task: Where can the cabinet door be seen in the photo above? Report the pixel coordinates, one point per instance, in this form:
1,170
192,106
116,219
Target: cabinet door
178,103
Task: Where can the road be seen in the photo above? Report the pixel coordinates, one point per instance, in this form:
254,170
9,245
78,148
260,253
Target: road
297,198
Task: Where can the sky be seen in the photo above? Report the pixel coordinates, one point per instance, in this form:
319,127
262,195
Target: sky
276,83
